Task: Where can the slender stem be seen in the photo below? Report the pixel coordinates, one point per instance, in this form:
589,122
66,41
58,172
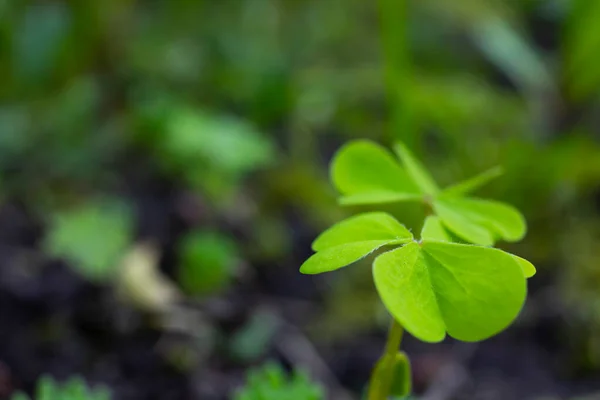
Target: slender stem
381,380
394,338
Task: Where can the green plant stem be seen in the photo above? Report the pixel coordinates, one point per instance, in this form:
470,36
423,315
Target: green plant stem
381,380
394,338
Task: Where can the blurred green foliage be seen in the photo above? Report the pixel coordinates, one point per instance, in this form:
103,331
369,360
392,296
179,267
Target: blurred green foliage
73,389
92,237
252,340
208,261
241,103
271,382
211,152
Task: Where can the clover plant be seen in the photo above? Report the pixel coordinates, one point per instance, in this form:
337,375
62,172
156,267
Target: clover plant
448,280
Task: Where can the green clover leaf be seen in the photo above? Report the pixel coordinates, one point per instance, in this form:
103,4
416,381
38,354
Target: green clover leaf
480,221
366,173
352,239
416,170
433,229
434,288
527,267
474,183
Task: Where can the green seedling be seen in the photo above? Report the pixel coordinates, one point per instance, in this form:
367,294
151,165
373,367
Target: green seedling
447,281
271,382
74,389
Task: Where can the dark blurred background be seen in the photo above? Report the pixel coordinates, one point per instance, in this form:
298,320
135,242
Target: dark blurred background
163,171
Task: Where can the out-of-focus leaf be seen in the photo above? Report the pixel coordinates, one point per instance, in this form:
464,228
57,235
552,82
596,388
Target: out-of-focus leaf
251,341
272,238
46,389
492,25
207,262
582,49
73,389
38,38
92,238
473,117
14,133
467,12
271,382
211,152
225,143
74,109
508,49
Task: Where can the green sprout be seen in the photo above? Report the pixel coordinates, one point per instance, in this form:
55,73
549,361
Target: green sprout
449,280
